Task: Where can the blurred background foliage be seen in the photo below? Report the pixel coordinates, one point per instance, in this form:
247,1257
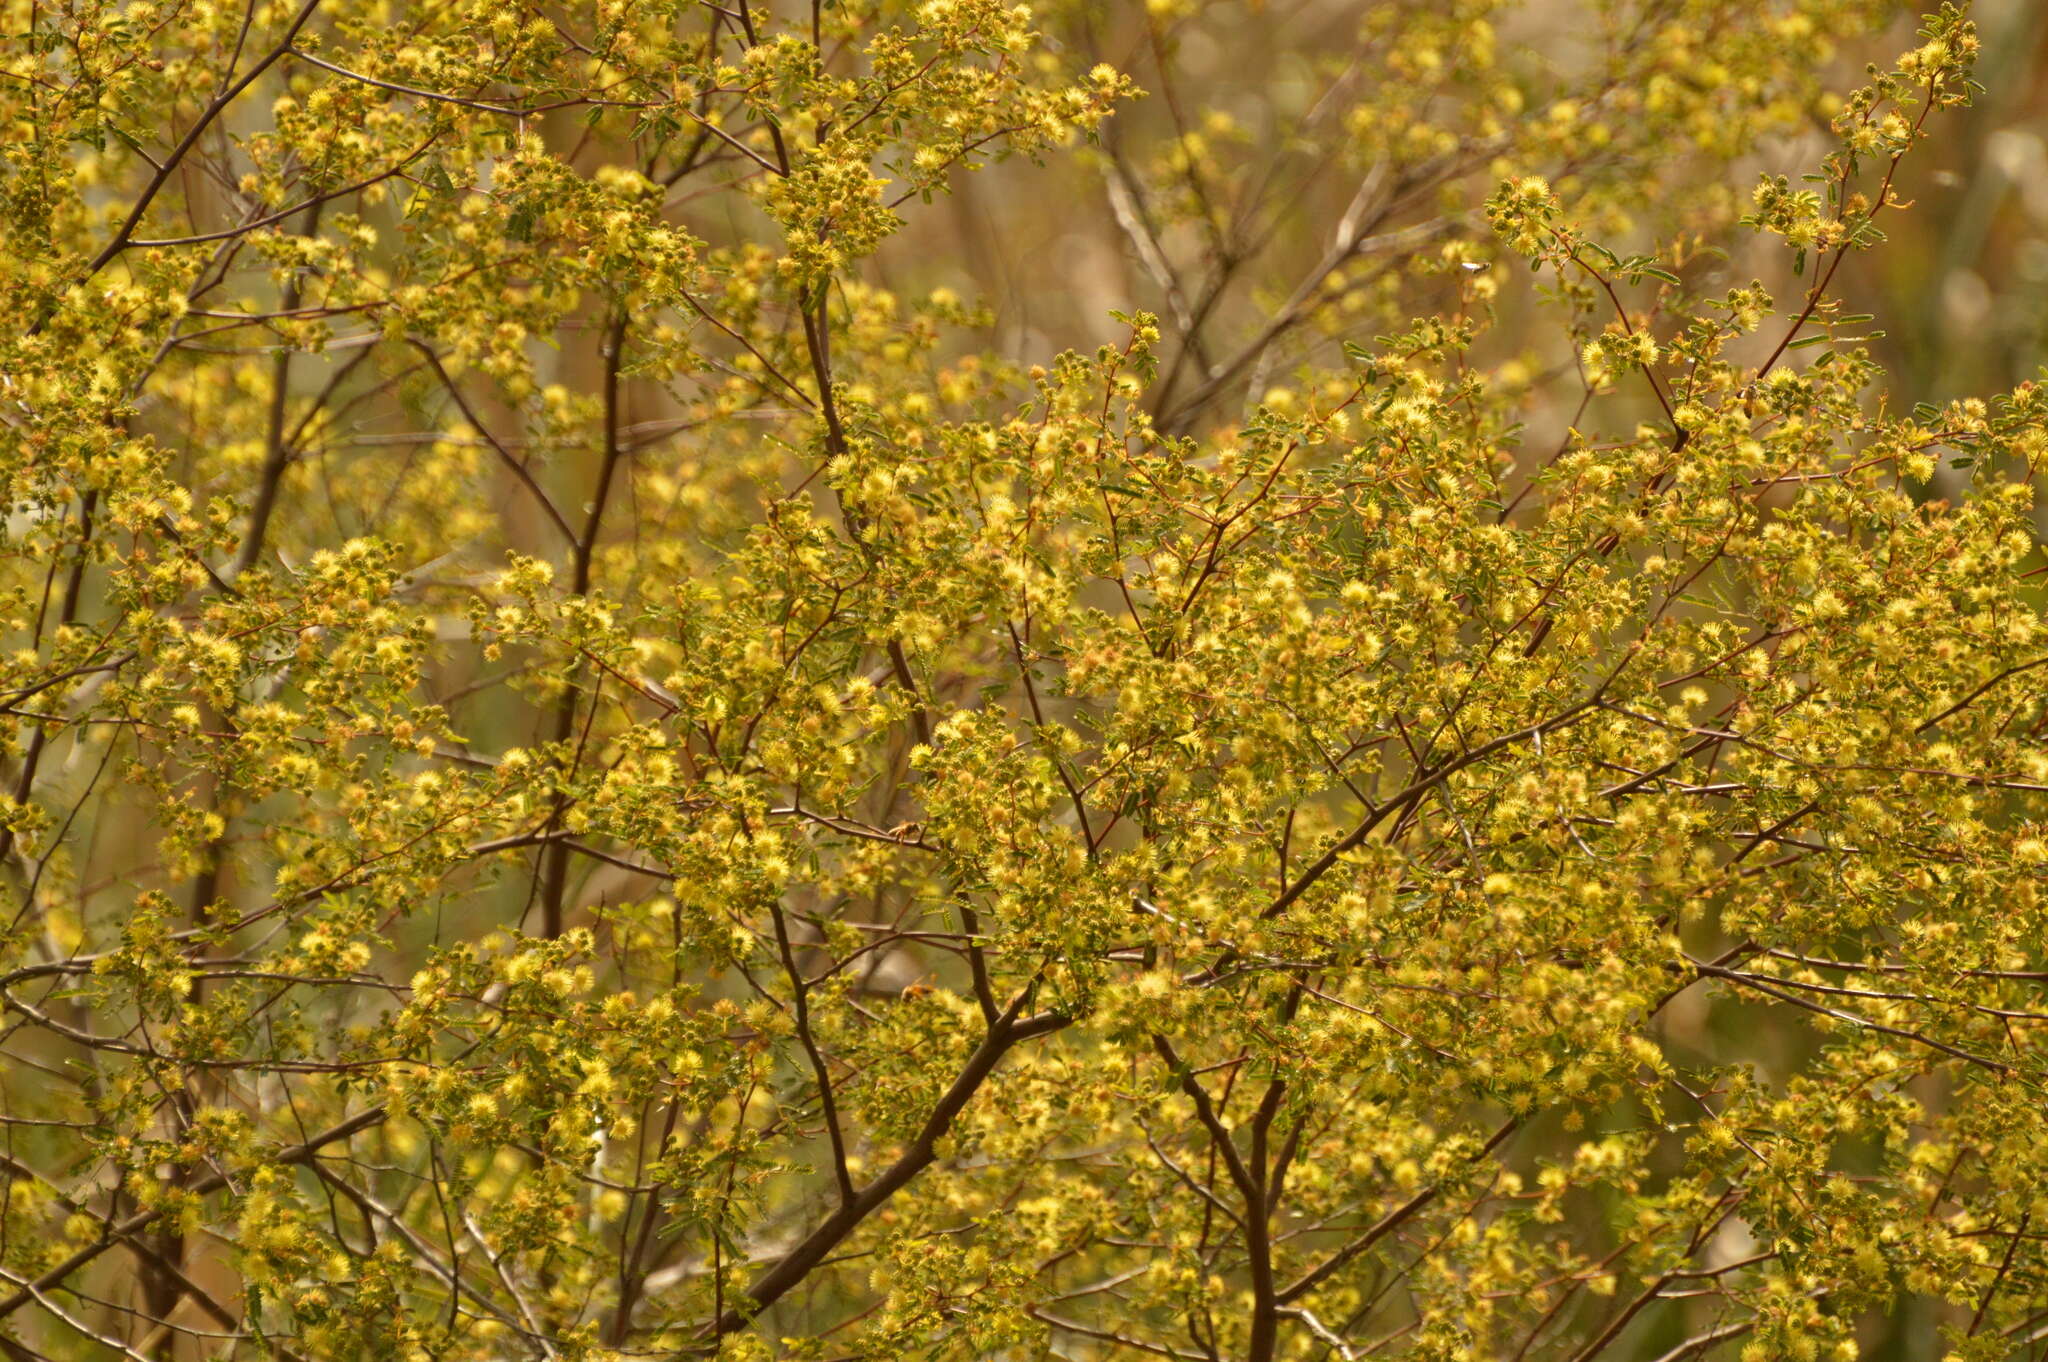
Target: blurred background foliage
1263,91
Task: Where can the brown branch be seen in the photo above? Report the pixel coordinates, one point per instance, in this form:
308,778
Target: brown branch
1010,1030
555,875
519,469
1251,1185
126,231
212,1182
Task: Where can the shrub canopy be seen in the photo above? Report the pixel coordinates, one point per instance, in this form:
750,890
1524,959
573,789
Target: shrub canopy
599,763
